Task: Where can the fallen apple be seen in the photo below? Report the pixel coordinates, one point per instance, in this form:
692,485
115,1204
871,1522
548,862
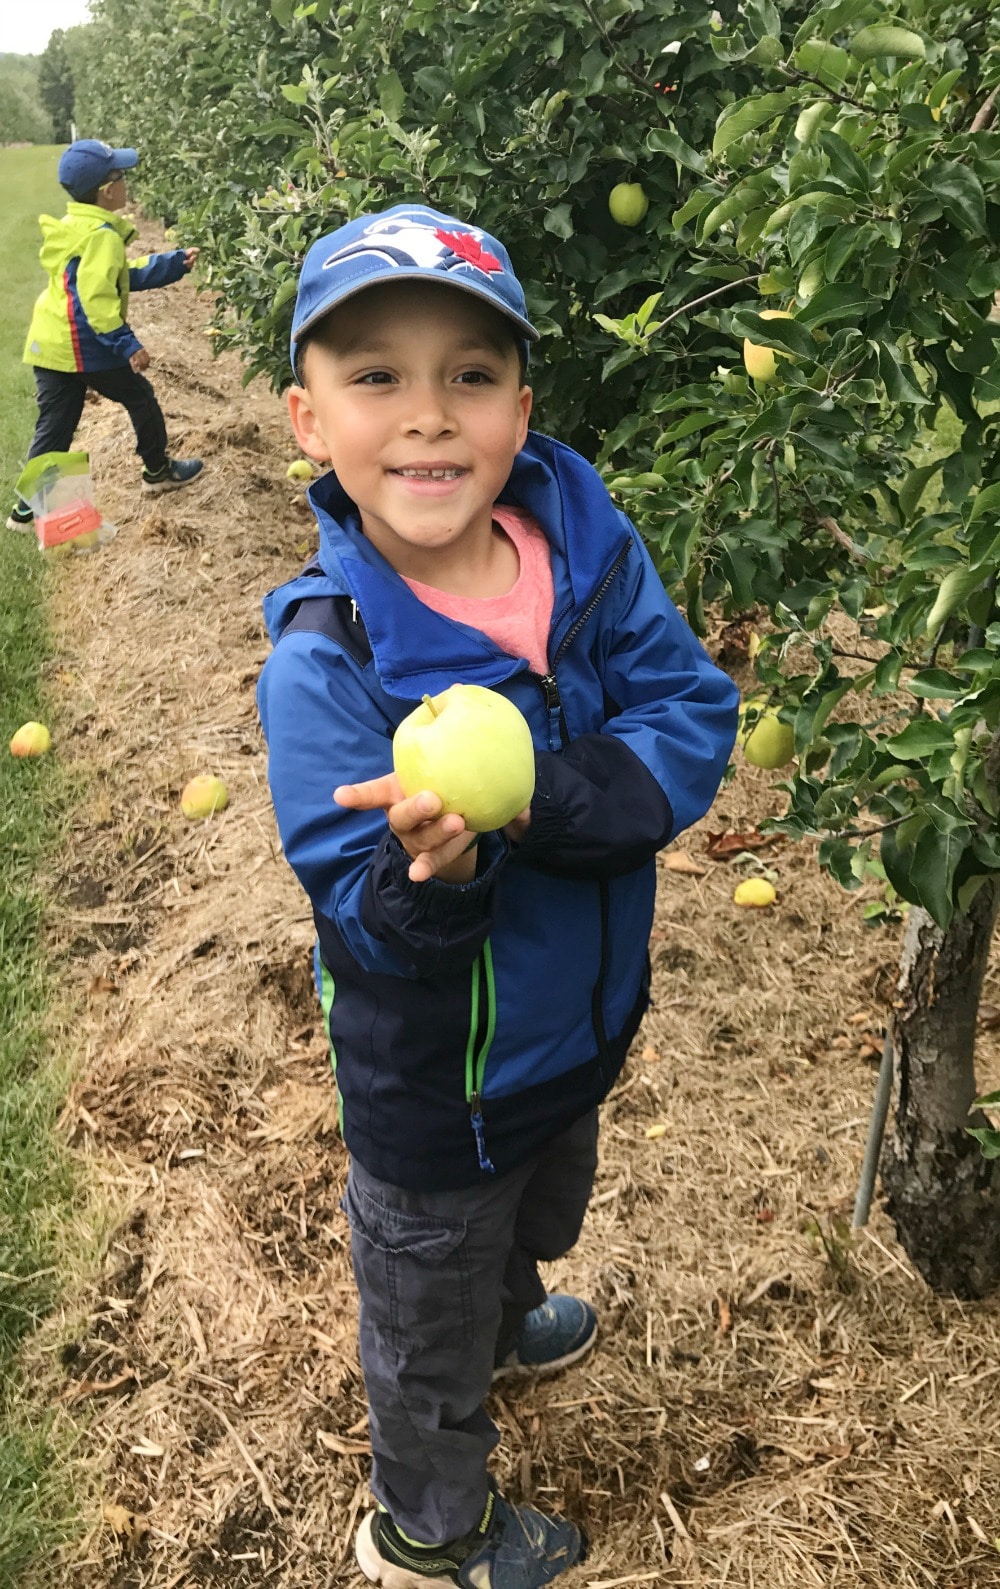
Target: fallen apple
31,739
203,796
628,203
472,748
301,469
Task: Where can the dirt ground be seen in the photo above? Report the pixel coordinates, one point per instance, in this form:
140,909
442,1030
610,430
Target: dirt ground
773,1402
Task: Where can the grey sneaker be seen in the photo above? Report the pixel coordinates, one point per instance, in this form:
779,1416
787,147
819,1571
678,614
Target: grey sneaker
178,472
22,520
514,1547
554,1335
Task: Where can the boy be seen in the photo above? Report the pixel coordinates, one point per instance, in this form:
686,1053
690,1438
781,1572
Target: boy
79,335
480,991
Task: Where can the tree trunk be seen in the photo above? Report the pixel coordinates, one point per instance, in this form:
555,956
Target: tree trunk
942,1194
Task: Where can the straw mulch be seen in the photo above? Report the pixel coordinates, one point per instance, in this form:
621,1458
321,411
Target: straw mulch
773,1402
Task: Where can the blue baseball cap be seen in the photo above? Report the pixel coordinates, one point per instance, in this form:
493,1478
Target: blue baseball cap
88,163
406,243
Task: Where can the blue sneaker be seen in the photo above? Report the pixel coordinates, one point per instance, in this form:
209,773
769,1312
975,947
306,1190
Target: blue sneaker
514,1547
554,1335
174,474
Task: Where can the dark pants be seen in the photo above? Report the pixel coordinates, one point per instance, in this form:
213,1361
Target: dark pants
445,1280
60,403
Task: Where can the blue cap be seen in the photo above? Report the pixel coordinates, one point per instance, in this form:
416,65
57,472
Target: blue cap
88,163
407,243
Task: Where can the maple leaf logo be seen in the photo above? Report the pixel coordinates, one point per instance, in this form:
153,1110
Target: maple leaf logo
466,247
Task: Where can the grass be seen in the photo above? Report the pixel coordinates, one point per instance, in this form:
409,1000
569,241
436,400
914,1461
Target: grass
35,1183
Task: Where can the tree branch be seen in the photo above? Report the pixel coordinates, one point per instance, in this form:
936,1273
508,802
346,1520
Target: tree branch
696,302
984,115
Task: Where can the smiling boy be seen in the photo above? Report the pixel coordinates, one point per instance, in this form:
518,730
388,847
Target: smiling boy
480,992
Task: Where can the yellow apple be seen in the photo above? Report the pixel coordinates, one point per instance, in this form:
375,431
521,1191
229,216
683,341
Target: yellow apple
472,748
771,744
628,203
203,796
755,892
301,469
760,362
31,739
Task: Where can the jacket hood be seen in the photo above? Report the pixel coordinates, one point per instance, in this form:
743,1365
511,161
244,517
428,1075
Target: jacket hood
64,235
419,651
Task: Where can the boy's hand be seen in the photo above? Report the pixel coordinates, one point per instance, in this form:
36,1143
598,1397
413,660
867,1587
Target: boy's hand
190,256
437,846
139,361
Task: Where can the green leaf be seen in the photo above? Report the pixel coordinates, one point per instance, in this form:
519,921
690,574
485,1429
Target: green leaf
937,684
391,95
961,193
988,1139
918,739
952,591
819,58
986,501
932,871
737,120
785,334
877,42
559,220
914,485
662,141
989,1100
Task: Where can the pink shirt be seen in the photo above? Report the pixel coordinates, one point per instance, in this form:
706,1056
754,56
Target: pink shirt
518,622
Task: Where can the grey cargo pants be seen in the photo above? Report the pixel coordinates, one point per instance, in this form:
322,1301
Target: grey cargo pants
444,1281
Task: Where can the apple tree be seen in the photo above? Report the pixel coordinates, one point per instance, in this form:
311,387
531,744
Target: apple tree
851,495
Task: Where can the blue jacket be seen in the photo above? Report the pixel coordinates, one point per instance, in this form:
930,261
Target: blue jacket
471,1023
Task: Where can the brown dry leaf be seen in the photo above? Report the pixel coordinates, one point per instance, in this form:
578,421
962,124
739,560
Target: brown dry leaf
723,846
127,1526
101,985
679,861
725,1314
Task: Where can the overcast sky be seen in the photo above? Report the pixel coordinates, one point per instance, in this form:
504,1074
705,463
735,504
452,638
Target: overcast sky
25,25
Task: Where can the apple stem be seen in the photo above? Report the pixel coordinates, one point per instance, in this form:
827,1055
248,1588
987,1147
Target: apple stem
428,702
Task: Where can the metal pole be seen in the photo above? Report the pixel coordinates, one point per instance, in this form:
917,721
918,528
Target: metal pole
876,1131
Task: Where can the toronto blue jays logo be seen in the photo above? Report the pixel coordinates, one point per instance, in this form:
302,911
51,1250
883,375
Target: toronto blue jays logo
404,241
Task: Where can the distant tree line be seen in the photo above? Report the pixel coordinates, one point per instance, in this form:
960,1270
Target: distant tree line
36,93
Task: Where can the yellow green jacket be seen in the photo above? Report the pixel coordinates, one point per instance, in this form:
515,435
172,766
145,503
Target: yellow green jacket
79,321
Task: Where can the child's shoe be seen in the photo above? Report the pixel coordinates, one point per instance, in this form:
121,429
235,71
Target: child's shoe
554,1335
514,1547
21,519
174,474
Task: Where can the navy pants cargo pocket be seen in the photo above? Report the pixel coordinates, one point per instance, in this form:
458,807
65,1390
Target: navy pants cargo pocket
412,1270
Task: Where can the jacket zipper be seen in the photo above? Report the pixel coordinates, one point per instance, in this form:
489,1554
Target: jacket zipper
475,1060
559,736
547,682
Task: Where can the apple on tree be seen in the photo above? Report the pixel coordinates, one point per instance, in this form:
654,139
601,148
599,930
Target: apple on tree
628,203
472,748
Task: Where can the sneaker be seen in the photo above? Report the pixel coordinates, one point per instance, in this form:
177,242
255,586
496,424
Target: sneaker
178,472
559,1332
514,1547
22,520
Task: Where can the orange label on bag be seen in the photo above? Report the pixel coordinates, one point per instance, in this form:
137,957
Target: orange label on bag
78,519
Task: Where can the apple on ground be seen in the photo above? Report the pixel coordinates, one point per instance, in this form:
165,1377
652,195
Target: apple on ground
31,739
300,469
203,796
472,748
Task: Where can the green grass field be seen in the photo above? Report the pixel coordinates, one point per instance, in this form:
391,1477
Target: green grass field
35,1184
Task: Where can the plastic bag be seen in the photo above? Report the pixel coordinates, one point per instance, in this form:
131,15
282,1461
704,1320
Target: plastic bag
58,488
